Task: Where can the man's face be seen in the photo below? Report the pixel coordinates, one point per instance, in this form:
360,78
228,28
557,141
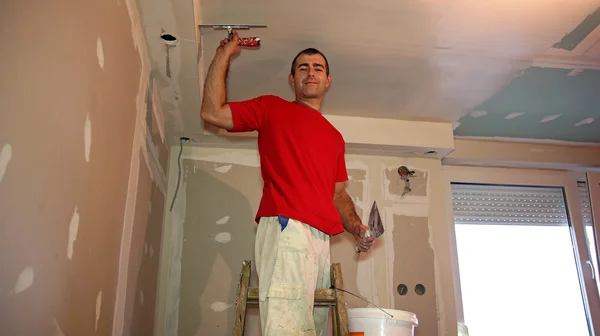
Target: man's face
311,79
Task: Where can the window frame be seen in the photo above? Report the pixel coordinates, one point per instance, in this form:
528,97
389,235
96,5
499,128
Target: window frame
531,177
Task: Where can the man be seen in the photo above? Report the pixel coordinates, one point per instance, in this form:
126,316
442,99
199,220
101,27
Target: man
304,200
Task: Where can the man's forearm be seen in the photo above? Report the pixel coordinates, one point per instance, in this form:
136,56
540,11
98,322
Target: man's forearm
347,211
215,92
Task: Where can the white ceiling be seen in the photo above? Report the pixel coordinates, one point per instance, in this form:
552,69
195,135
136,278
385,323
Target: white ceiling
408,59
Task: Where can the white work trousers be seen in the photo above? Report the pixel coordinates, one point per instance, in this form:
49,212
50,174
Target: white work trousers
292,260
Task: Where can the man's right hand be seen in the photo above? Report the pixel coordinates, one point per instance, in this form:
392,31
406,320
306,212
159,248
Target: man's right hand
229,48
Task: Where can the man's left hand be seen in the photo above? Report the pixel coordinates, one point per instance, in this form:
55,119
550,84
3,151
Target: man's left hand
363,243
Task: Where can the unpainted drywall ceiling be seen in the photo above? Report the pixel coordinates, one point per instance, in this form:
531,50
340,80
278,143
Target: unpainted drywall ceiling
213,232
427,60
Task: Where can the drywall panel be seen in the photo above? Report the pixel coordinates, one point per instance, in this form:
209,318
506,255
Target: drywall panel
539,155
69,141
218,235
414,275
212,230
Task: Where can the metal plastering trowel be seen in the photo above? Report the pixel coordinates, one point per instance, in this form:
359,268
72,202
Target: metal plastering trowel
375,224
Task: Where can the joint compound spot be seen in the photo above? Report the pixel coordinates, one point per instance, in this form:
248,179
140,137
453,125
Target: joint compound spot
87,137
477,114
145,248
141,297
584,122
100,53
455,125
575,72
223,169
24,281
151,251
73,228
513,115
98,307
57,330
550,118
220,306
223,220
5,156
223,237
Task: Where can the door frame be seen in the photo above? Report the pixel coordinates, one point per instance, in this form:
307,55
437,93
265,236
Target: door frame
536,177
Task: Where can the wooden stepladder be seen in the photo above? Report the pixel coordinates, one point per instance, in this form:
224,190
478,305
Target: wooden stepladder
323,297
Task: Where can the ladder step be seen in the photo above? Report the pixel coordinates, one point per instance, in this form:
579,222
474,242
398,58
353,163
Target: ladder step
323,297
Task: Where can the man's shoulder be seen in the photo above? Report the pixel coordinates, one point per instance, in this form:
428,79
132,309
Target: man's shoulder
270,98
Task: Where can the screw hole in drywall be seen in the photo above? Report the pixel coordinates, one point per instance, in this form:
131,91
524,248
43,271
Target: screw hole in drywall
420,289
402,289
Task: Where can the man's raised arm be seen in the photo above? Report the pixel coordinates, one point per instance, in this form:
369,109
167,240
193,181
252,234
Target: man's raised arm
215,110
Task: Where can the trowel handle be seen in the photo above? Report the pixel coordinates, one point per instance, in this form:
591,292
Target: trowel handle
367,235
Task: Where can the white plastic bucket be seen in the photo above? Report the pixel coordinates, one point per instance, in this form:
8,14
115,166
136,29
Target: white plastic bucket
374,322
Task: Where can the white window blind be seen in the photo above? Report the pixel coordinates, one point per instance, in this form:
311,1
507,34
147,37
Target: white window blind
584,199
508,205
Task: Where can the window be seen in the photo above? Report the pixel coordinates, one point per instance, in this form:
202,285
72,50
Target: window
518,272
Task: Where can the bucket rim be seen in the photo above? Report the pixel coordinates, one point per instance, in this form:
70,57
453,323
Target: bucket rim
375,313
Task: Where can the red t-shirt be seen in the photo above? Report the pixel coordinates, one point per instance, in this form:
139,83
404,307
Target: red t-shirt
301,159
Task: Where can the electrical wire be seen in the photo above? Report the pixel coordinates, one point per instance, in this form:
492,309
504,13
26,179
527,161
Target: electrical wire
178,175
367,301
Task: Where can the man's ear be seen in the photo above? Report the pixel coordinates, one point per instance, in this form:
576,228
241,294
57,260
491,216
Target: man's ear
328,81
291,80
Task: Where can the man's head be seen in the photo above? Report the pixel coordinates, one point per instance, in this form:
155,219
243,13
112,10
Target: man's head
309,75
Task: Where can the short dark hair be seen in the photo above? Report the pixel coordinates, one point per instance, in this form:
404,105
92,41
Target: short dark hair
309,51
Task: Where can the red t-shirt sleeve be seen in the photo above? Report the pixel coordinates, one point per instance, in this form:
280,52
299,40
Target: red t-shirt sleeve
248,115
342,173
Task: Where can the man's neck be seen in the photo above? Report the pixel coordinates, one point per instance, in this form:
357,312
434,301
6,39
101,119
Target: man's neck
314,104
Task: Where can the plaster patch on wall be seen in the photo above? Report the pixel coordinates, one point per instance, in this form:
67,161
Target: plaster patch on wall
98,307
73,228
240,158
585,121
5,157
87,136
151,251
223,237
145,248
477,114
364,283
575,72
549,118
513,115
100,52
57,329
223,169
141,297
223,220
150,155
363,204
220,306
174,274
24,281
455,124
419,184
